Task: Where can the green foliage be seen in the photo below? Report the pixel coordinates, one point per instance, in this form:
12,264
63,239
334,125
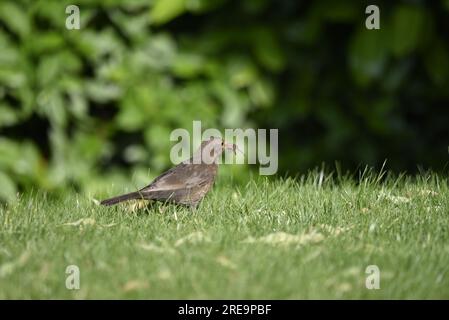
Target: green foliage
76,105
109,93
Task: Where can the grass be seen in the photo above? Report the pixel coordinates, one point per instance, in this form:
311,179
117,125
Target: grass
310,238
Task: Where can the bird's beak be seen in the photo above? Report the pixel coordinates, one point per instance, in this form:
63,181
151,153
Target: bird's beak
233,147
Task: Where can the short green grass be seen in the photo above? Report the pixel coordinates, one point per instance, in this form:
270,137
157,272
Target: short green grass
306,238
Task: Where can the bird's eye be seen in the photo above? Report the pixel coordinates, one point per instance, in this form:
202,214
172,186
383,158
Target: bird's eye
222,143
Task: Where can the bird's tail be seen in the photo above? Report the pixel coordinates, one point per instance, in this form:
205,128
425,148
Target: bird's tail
124,197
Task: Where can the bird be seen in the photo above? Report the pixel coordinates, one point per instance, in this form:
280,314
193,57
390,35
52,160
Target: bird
188,182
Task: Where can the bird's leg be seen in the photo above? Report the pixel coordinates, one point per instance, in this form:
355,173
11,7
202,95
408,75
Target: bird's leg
194,206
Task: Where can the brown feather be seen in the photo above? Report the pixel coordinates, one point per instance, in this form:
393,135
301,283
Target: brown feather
187,183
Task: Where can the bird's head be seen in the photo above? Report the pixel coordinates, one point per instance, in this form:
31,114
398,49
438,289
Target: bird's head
211,149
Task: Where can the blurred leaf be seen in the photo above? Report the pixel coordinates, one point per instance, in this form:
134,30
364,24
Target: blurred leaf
15,18
102,92
8,189
437,64
8,116
9,153
46,42
242,72
268,50
254,6
88,145
51,104
140,103
157,136
19,158
134,26
12,78
367,55
135,153
130,118
27,164
261,93
234,106
9,55
53,13
48,70
159,52
202,6
408,24
164,11
396,75
78,105
187,65
306,32
53,67
340,11
97,45
27,101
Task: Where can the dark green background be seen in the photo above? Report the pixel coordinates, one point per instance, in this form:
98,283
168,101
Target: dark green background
95,106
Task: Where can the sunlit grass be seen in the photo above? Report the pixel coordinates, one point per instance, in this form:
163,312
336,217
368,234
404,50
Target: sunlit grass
312,237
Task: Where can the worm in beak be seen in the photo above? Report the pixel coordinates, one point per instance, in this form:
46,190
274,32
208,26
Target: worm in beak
233,147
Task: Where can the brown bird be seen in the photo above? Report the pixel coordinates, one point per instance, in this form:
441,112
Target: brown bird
188,182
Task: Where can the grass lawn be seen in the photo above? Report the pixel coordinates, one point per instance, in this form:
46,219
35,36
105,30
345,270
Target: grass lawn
308,238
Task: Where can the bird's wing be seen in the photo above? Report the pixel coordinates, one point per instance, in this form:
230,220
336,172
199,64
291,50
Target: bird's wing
182,176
